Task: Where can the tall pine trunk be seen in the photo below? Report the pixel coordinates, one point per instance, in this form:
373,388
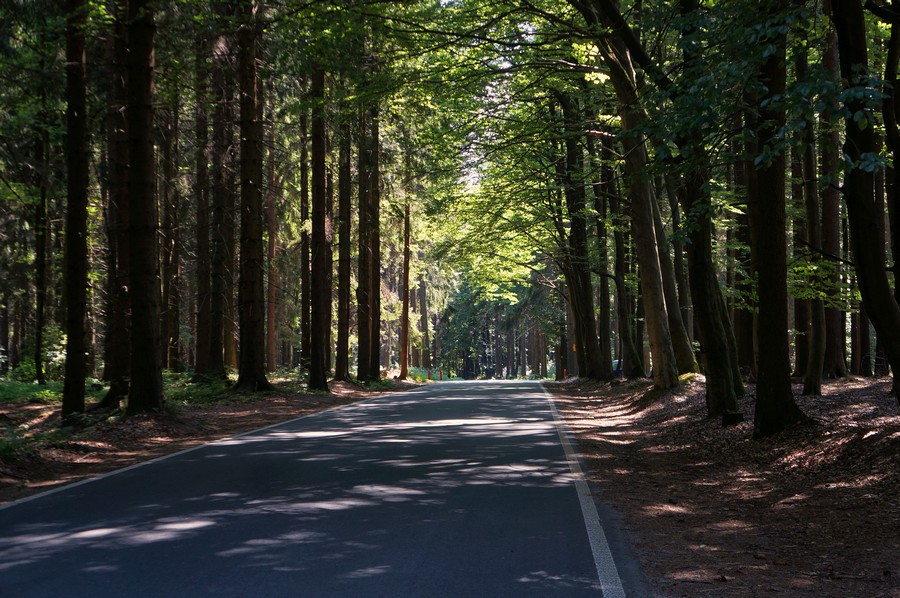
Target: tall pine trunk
201,200
342,355
775,406
118,328
251,372
220,269
320,296
145,390
862,210
76,256
363,276
375,249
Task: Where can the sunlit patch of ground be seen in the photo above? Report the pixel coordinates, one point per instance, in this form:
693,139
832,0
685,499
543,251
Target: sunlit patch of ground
810,512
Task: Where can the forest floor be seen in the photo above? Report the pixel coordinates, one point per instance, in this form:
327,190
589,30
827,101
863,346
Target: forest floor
43,456
813,511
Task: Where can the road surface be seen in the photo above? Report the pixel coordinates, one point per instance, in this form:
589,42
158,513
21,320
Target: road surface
453,489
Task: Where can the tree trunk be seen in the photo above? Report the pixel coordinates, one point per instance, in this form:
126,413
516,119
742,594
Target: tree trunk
375,251
221,197
4,333
118,326
802,313
305,273
576,266
404,316
423,310
775,406
364,267
271,254
862,213
201,198
251,372
342,356
603,188
76,256
42,163
812,379
320,297
170,241
681,342
145,390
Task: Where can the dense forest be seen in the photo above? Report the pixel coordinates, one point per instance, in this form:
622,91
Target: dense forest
514,188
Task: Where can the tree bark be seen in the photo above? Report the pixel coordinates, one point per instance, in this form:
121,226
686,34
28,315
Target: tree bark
145,390
76,256
118,326
320,297
363,276
404,284
342,355
812,378
862,213
576,263
835,365
201,199
305,273
775,406
222,139
251,373
42,163
271,255
375,250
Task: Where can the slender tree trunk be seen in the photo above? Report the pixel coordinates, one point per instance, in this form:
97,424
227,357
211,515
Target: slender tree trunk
577,268
145,390
631,361
220,269
76,256
363,276
812,379
835,365
4,333
118,328
305,272
42,162
171,257
423,310
802,312
201,198
603,188
375,250
404,316
342,356
320,298
251,373
775,406
681,342
271,254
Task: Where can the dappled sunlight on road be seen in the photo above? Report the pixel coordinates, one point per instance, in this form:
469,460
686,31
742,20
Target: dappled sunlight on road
325,498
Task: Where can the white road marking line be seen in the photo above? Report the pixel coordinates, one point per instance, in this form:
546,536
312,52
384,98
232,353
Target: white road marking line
610,583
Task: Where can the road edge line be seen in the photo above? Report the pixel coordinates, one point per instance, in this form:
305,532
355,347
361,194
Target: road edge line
610,580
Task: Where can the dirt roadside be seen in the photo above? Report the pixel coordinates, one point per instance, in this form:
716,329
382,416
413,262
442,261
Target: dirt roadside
814,511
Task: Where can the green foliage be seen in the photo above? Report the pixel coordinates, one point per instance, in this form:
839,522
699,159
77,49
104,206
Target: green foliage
181,389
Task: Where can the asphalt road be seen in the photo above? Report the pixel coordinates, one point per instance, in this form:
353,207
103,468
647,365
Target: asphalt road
455,489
